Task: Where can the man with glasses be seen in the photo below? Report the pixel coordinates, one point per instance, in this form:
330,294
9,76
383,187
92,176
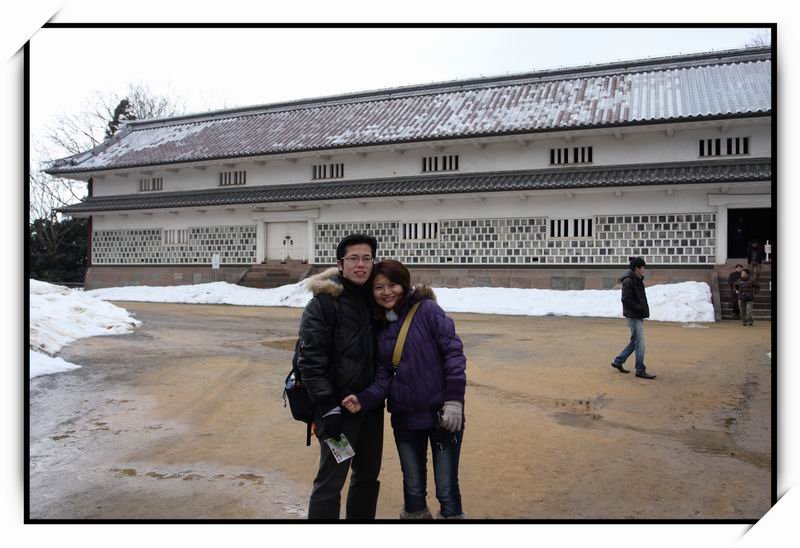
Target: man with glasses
336,358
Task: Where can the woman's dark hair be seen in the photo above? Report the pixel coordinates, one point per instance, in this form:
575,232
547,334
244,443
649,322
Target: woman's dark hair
395,272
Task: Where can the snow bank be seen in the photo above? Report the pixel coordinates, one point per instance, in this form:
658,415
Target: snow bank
42,364
681,302
293,295
59,316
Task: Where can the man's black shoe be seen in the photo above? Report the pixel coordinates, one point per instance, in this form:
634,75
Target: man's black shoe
645,376
619,368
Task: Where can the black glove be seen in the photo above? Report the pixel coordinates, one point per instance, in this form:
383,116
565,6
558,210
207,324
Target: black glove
332,425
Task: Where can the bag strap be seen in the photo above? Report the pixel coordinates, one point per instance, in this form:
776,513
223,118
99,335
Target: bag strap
401,338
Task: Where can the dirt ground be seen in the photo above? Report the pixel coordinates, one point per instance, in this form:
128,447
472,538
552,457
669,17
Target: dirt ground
184,419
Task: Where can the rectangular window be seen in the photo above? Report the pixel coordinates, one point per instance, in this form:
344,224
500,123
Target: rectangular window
175,236
327,171
433,164
732,146
150,184
571,228
230,178
575,155
420,231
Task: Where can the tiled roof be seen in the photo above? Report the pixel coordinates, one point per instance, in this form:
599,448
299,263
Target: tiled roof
736,83
515,181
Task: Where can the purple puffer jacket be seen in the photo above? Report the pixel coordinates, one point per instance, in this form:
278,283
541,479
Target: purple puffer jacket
432,369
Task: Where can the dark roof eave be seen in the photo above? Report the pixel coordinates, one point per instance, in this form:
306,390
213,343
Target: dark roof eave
613,125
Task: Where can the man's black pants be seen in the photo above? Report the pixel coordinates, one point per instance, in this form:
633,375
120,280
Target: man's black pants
365,433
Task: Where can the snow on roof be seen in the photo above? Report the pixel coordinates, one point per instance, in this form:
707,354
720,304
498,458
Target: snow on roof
690,87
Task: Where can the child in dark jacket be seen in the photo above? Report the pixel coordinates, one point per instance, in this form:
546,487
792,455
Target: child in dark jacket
425,391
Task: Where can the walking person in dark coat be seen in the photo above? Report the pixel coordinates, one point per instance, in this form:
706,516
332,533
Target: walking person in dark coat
336,357
733,277
425,391
635,310
746,290
755,256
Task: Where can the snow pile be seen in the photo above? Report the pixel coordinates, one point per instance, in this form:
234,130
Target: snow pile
681,302
293,295
59,316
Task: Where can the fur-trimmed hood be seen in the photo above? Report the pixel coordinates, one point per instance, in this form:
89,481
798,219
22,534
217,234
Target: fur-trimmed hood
420,292
327,282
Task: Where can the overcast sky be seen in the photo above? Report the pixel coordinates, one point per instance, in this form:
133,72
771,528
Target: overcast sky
221,68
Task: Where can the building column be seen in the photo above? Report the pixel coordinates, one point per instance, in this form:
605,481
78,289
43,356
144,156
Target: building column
311,253
261,241
722,234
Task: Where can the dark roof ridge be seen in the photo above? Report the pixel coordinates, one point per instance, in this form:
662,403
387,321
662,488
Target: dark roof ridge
693,60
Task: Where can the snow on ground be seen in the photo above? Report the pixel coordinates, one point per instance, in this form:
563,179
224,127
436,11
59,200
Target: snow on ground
681,302
59,316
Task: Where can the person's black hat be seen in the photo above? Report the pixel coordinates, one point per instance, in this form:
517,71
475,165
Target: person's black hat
355,239
636,262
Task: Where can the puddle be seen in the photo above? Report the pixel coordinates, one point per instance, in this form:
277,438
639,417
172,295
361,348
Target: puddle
124,472
712,442
578,420
281,344
694,326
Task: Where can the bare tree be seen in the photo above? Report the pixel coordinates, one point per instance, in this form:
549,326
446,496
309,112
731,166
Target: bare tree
81,131
759,39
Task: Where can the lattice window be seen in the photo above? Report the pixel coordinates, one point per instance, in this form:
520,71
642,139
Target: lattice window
432,164
571,155
571,228
151,183
420,231
175,236
327,171
230,178
730,146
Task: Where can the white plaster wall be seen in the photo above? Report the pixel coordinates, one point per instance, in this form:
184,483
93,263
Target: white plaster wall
112,221
553,205
643,146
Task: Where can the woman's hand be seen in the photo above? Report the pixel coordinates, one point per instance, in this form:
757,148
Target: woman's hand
352,404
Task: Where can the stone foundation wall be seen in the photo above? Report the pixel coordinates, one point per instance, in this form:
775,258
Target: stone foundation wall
538,278
548,278
118,276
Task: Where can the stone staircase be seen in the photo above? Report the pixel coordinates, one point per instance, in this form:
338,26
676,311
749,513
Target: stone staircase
762,305
275,274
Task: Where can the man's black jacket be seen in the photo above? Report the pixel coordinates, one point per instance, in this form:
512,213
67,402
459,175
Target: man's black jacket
634,300
336,360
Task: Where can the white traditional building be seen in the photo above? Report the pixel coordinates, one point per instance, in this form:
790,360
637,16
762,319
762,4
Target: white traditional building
547,179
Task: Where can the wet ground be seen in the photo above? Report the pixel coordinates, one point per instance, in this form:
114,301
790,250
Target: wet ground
184,419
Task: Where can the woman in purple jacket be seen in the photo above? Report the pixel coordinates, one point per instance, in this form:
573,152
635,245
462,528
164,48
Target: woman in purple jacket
425,391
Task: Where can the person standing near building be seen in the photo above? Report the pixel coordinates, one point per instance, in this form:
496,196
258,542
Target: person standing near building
755,256
733,277
425,385
746,290
336,357
635,309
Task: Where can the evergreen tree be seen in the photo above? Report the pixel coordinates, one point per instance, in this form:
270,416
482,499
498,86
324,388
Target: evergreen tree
58,250
122,112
